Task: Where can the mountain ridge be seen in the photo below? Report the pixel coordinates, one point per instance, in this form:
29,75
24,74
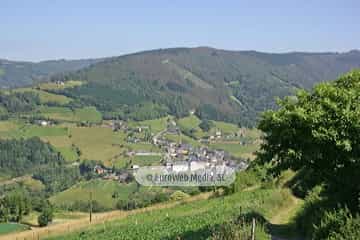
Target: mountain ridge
220,84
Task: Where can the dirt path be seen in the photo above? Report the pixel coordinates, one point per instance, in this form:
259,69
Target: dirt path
283,217
78,224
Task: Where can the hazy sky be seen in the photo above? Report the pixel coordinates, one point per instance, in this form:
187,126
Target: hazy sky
38,30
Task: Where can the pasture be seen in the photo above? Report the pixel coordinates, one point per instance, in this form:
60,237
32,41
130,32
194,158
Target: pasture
102,192
12,227
46,97
86,114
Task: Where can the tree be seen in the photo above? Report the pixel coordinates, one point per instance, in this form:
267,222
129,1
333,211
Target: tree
318,131
206,125
46,215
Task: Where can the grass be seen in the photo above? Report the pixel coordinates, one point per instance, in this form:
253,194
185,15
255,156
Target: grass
57,113
34,130
226,128
146,160
68,153
33,184
46,97
3,111
59,217
6,126
12,227
235,149
182,139
194,220
97,143
142,147
86,114
156,125
102,193
191,122
18,129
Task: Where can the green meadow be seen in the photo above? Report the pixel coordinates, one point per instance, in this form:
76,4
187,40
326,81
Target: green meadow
12,227
86,114
46,97
102,192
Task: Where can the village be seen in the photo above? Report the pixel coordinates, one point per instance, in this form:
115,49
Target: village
175,155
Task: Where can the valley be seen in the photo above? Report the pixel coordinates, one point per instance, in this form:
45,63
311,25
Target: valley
72,143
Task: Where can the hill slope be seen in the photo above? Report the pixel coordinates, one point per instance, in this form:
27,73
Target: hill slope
15,74
222,85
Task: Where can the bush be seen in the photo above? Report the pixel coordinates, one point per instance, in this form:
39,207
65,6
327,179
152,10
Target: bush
178,196
240,228
349,231
312,211
45,216
140,200
337,225
206,125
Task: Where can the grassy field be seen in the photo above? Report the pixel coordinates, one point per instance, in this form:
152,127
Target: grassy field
142,146
194,220
69,153
12,227
182,139
146,160
97,143
46,97
225,128
191,122
102,193
235,149
156,125
86,114
17,129
7,126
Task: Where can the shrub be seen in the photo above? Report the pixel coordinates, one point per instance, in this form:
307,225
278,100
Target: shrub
178,196
240,228
338,225
312,211
45,216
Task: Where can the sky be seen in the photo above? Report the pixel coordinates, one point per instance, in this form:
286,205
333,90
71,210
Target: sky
49,29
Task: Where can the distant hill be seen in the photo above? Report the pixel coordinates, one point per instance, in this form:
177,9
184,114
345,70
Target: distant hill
16,73
224,85
220,84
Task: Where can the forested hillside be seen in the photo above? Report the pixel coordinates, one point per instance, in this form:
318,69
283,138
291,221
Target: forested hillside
15,74
222,85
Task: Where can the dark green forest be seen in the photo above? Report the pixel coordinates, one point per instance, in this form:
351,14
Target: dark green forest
221,85
18,157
